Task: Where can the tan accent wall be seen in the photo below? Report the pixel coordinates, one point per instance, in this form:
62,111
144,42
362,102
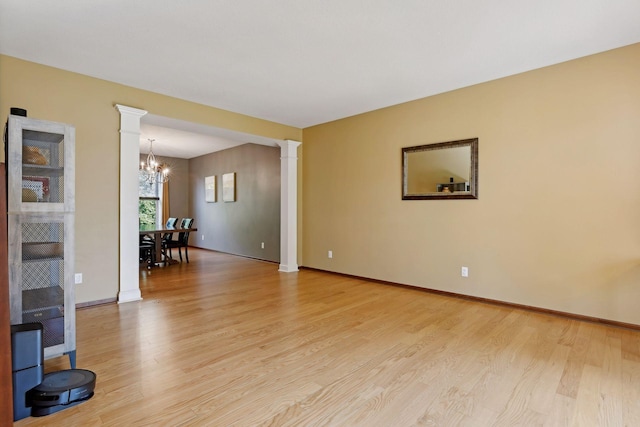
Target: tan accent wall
88,104
179,188
241,226
557,222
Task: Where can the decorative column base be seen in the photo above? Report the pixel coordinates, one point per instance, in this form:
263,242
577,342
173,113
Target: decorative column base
288,268
129,295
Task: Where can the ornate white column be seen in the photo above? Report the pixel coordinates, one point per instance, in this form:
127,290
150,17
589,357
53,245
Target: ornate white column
288,205
129,223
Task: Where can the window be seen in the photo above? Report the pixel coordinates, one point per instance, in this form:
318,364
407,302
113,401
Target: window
149,203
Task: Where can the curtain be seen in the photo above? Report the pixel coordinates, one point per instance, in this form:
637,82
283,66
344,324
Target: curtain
165,202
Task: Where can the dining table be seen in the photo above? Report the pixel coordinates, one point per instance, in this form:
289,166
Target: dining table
157,233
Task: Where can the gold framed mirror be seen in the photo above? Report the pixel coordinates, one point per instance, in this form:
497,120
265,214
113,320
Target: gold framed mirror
444,171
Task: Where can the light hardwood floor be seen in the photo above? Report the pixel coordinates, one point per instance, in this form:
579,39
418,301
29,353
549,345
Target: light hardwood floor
229,341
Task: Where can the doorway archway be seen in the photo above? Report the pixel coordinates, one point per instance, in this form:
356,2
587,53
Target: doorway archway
129,286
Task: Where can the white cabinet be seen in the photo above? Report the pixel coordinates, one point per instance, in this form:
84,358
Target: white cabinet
41,206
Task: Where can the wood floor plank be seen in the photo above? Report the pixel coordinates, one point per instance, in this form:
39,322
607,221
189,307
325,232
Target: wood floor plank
588,399
630,392
226,340
543,393
570,381
561,411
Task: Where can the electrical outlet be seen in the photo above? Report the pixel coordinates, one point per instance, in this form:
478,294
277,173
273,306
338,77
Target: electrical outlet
203,237
262,245
464,272
78,278
330,254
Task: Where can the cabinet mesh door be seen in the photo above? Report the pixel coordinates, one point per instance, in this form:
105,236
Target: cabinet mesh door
43,278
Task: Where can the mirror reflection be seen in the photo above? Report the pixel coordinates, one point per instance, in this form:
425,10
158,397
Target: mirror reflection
446,170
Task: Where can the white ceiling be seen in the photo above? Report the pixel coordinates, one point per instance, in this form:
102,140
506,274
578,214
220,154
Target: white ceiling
306,62
186,140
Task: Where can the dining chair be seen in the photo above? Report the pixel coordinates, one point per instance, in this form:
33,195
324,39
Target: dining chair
147,252
182,242
171,223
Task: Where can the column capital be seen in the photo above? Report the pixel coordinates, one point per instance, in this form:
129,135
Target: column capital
123,109
289,148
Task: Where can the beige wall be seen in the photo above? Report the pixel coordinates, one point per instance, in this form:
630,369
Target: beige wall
557,222
88,104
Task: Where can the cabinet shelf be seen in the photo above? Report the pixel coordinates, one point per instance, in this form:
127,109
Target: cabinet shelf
43,298
39,136
42,170
39,251
44,313
43,259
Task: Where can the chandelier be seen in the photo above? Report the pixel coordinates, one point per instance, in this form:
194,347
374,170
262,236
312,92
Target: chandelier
154,171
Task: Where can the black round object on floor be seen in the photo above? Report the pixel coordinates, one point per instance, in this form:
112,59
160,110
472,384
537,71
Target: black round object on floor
61,389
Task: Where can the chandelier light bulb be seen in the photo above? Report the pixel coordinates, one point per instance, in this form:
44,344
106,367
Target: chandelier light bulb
155,172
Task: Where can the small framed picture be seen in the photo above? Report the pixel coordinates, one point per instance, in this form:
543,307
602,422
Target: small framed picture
210,189
229,187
